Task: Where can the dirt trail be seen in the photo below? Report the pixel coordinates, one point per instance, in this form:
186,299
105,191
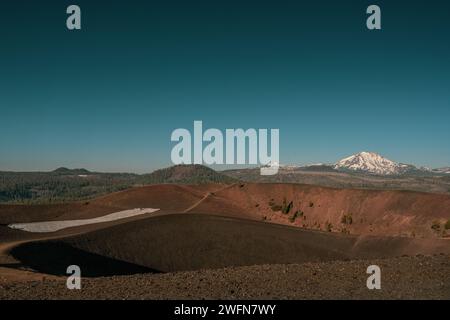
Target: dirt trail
206,196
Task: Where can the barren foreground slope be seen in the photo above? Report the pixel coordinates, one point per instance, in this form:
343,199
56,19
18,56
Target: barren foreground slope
256,240
182,242
417,277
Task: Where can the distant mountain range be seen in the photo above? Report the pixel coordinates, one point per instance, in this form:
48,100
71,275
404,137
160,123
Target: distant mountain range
362,170
445,170
370,163
362,162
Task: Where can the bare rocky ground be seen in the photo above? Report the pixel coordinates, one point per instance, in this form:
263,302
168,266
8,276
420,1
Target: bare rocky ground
408,277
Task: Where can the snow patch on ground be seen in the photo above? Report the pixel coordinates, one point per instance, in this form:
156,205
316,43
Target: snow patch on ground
53,226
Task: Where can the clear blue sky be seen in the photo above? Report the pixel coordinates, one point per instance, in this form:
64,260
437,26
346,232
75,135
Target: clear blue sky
108,97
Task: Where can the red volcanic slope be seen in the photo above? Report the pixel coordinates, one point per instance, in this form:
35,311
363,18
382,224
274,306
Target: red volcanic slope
377,212
372,212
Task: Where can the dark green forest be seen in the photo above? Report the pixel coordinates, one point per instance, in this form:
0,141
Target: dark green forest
62,185
59,186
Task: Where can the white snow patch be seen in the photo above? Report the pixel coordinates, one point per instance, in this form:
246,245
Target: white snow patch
53,226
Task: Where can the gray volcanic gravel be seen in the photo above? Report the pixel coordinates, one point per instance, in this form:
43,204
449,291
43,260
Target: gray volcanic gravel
412,277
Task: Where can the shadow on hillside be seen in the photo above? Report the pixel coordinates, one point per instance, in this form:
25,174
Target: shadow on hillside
52,257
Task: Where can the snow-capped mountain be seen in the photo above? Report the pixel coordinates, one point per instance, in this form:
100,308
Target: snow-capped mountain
445,170
365,163
372,163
